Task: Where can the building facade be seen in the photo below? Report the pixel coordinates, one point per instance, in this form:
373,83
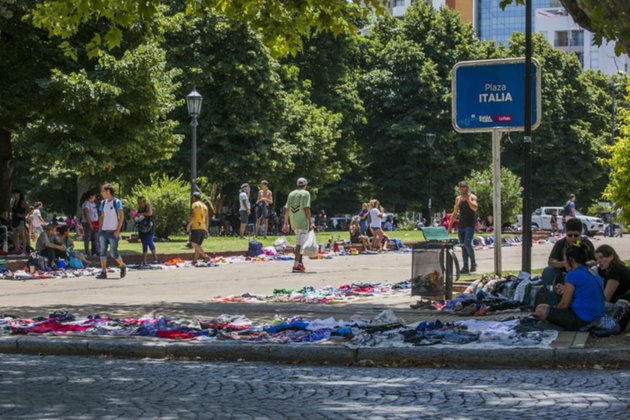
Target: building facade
561,31
549,18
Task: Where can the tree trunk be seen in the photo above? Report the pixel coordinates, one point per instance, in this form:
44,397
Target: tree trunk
6,170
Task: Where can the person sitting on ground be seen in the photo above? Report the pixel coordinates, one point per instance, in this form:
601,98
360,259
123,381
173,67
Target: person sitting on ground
616,278
63,238
46,246
556,269
355,234
582,293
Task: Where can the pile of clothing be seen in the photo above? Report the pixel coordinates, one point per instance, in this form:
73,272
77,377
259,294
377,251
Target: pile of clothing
495,294
325,295
384,330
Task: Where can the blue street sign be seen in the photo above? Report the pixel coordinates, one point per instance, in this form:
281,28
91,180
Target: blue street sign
490,95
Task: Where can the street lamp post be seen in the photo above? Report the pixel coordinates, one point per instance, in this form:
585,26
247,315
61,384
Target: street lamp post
430,142
193,100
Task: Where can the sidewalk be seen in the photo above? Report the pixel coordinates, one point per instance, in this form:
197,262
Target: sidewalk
188,293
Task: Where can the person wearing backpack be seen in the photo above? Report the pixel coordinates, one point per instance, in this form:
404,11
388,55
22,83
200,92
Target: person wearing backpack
146,229
110,224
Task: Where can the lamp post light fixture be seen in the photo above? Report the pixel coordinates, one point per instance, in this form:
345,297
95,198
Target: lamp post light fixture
193,100
430,137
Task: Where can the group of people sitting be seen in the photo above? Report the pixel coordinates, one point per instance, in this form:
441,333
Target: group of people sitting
587,283
366,228
55,244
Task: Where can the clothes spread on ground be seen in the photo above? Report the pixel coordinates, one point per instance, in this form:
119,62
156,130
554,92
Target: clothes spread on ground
324,295
268,254
384,330
491,295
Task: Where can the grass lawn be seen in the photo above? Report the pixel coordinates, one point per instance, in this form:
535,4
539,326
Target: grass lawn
177,244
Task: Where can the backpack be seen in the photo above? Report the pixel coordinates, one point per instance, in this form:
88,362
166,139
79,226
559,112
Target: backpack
254,249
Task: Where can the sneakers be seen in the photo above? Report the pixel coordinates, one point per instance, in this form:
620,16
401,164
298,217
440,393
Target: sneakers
103,275
464,270
123,271
299,268
473,268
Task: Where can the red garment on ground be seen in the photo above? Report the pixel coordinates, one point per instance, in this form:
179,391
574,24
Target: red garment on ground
176,335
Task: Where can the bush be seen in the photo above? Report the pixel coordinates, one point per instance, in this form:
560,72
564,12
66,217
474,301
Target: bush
170,200
480,183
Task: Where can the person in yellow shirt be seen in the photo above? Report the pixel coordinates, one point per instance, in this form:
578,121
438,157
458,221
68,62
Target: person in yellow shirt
198,226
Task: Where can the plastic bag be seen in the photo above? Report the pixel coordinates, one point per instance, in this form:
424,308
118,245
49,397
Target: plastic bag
310,247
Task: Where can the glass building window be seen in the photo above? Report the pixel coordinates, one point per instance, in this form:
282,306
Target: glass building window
577,39
561,39
496,24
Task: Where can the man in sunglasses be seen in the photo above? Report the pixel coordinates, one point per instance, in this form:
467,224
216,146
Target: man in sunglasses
557,263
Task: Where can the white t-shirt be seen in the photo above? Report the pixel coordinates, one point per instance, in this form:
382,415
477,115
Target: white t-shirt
110,208
92,212
242,198
36,218
375,219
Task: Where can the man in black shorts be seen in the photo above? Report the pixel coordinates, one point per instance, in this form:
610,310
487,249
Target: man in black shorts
198,226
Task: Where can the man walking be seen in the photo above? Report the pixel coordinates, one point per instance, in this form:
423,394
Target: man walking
244,208
298,211
465,207
198,226
110,223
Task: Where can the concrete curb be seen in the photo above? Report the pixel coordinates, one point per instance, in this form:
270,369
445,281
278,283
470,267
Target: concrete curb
617,358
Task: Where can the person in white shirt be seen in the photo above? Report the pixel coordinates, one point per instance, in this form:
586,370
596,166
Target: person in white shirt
37,221
110,224
89,221
376,218
244,208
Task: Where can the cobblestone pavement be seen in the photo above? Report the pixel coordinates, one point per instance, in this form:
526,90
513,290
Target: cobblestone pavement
79,387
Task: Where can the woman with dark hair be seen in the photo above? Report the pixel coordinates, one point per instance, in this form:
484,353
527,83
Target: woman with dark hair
19,210
582,293
614,272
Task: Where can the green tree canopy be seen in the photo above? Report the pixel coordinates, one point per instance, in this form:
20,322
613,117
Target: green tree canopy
282,23
481,185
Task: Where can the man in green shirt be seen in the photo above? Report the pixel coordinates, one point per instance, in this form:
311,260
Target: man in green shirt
298,211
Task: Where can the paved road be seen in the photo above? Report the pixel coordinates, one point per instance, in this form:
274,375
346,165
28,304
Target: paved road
174,290
66,387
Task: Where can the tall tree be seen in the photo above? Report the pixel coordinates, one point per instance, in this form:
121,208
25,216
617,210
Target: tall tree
90,117
617,190
571,139
258,120
406,90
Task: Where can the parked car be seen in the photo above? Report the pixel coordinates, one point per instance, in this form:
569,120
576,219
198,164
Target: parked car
541,220
339,222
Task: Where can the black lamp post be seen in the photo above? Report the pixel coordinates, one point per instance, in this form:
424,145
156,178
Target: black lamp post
430,142
193,100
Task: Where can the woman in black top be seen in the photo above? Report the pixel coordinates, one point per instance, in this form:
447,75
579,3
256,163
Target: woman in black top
19,210
614,272
146,229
